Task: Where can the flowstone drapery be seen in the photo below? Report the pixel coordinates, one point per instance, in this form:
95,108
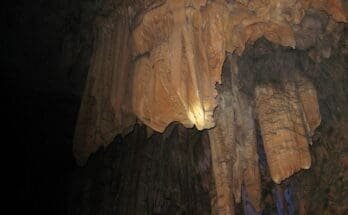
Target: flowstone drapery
288,118
158,62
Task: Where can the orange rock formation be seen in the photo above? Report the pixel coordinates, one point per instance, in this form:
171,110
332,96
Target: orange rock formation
287,119
158,61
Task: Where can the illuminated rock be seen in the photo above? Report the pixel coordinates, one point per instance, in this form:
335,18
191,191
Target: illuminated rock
159,60
179,47
179,53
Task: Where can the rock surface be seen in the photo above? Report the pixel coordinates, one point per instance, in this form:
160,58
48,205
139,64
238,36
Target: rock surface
168,173
179,52
233,145
105,109
287,120
160,60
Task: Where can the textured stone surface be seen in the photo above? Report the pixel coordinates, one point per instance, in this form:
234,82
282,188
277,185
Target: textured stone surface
168,173
180,46
287,119
233,145
324,187
160,60
179,52
51,110
105,107
318,33
332,7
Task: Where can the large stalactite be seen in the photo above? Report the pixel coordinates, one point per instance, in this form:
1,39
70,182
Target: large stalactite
288,118
158,62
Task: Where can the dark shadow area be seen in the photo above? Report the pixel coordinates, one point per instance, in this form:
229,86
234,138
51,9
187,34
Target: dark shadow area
47,47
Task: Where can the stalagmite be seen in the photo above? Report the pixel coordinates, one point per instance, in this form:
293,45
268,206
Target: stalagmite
287,117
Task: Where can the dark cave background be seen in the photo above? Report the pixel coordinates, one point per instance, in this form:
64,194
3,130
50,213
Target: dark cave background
46,56
47,47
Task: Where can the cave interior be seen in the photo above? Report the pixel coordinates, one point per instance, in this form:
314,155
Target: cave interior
181,106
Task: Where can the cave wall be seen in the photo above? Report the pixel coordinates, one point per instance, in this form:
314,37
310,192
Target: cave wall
170,55
65,44
250,186
326,182
167,173
320,189
169,58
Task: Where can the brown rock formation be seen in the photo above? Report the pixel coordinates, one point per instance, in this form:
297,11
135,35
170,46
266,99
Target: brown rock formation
287,119
331,7
318,33
105,107
178,47
178,63
233,145
158,61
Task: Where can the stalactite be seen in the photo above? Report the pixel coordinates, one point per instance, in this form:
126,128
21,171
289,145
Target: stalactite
160,60
105,110
233,145
287,119
178,63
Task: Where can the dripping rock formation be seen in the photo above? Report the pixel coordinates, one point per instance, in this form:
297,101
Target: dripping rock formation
159,61
233,145
209,107
288,118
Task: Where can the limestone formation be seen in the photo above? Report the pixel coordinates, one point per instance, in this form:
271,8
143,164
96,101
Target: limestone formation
159,60
287,120
179,54
233,145
105,108
179,47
